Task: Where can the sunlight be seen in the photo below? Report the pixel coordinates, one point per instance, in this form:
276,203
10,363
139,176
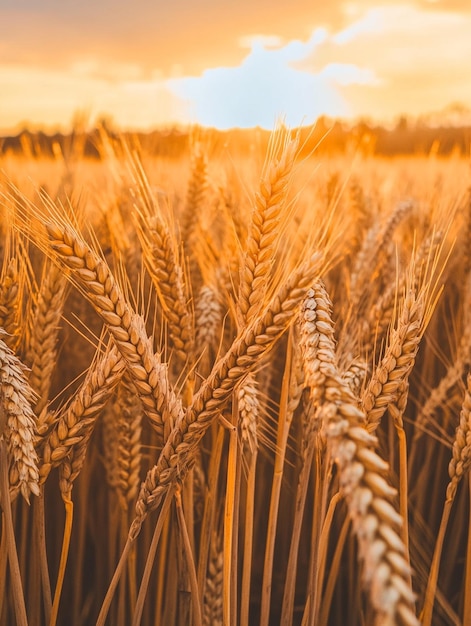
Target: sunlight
133,103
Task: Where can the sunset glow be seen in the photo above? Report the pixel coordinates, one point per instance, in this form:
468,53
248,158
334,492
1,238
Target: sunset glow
354,60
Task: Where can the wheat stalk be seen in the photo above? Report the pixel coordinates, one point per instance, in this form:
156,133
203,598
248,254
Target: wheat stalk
386,572
96,281
73,425
458,467
248,348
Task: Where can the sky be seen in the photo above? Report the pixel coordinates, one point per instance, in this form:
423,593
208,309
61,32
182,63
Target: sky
229,63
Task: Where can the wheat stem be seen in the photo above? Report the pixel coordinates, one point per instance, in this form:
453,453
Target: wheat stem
284,422
229,514
467,577
39,516
69,514
196,616
8,531
163,516
248,540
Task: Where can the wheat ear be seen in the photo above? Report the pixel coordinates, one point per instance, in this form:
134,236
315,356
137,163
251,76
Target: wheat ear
95,279
264,231
162,259
44,325
67,441
212,606
10,295
208,318
79,419
76,427
362,473
367,259
18,458
167,276
127,417
19,423
382,313
195,197
252,343
397,362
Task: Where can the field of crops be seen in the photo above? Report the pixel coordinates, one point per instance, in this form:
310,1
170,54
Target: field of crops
234,389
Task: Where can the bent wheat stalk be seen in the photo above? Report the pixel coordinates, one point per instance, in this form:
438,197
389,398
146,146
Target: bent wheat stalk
362,473
178,453
459,466
66,443
252,343
93,277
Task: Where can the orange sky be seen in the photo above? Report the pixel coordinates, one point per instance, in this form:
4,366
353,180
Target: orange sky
230,62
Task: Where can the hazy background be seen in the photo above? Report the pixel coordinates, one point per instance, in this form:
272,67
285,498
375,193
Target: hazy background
229,63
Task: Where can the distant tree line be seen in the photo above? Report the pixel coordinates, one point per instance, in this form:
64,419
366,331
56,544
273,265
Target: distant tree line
327,136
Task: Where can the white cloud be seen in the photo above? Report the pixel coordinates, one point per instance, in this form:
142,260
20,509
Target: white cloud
372,22
348,74
268,85
420,59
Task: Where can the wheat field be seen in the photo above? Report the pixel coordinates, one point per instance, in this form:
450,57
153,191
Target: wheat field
235,388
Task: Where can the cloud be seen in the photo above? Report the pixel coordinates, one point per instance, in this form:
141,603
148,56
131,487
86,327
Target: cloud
267,85
457,6
419,58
